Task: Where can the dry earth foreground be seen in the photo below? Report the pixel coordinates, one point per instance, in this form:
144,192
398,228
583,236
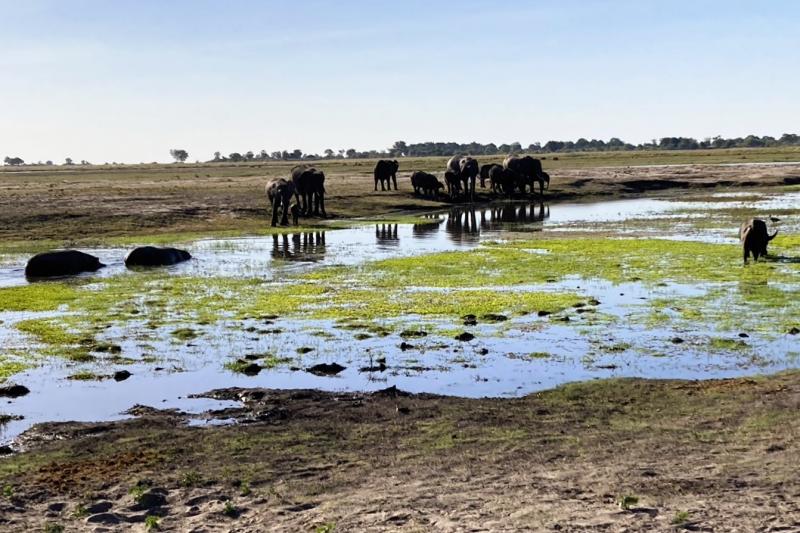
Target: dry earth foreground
605,455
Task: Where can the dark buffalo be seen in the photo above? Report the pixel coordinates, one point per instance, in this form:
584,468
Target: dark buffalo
386,173
755,238
61,263
152,256
279,194
309,188
466,169
528,170
426,184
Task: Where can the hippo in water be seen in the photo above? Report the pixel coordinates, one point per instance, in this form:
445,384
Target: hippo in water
149,256
61,263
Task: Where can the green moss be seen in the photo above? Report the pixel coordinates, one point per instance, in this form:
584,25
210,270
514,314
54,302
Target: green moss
42,296
10,367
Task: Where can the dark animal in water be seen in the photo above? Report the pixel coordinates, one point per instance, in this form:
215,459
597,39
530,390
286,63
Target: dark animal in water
755,238
309,188
61,263
467,170
279,194
386,172
152,256
426,184
528,170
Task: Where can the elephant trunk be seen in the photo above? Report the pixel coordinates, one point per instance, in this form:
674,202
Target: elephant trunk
770,237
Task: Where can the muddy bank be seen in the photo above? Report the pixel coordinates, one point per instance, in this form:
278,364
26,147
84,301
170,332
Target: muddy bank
713,455
75,204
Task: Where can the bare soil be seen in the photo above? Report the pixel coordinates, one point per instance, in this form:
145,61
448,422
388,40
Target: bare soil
705,456
71,205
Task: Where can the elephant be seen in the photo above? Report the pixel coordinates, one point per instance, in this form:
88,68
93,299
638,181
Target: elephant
528,170
386,171
754,236
61,263
309,189
453,183
466,168
279,194
426,184
151,256
485,170
502,180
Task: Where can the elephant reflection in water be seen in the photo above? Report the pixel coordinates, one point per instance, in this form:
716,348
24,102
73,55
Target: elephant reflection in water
426,229
307,246
386,234
464,224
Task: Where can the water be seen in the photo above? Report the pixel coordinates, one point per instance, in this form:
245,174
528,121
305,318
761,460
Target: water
522,355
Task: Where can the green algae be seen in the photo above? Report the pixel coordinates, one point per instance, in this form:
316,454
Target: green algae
35,297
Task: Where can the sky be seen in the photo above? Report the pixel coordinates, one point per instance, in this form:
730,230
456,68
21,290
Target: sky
127,80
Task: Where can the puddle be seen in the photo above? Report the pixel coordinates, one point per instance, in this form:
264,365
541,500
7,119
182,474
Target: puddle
507,357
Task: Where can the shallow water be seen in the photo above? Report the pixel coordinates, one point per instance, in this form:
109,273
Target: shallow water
522,354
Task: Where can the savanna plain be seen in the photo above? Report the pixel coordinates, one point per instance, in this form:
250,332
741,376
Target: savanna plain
595,360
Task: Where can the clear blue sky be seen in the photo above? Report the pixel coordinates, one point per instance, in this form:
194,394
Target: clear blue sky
127,80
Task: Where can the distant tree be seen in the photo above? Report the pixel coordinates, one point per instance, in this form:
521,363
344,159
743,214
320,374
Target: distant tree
48,162
179,155
276,155
351,153
515,148
85,162
263,155
217,156
13,161
68,161
236,157
399,149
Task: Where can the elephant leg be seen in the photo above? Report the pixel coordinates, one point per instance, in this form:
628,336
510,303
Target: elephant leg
394,179
321,200
285,218
376,183
275,205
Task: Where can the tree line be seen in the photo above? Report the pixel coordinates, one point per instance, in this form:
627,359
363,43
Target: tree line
403,149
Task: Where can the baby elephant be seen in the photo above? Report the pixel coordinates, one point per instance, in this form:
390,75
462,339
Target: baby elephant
61,263
754,237
279,194
426,184
151,256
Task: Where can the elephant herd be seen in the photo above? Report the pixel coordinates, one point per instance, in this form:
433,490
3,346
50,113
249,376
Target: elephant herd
517,173
303,193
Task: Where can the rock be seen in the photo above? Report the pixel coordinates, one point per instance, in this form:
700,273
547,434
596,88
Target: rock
155,497
57,507
794,331
743,335
325,369
304,350
677,340
563,319
413,333
465,337
99,507
471,321
6,450
104,518
121,375
406,346
483,351
251,370
14,391
543,313
594,301
252,357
